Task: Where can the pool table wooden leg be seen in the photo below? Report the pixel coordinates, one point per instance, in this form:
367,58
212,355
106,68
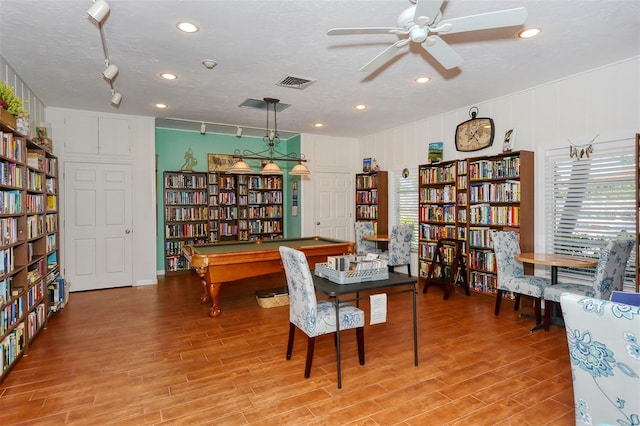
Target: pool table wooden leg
204,297
214,294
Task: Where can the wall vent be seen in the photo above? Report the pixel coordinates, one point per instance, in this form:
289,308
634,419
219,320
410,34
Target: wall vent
296,82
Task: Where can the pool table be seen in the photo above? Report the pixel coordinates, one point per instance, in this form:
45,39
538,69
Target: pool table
218,263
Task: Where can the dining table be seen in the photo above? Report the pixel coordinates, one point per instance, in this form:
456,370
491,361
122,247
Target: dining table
555,261
381,240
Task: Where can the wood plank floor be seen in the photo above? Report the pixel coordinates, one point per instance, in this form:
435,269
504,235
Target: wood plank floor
151,356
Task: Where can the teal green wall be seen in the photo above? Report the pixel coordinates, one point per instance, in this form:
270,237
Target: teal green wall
171,146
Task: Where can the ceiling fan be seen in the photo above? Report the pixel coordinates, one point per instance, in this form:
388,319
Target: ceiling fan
423,23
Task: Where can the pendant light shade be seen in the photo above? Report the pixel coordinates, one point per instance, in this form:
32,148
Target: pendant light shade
240,168
111,72
271,168
299,170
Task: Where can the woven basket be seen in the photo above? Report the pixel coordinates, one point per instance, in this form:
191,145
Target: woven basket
273,297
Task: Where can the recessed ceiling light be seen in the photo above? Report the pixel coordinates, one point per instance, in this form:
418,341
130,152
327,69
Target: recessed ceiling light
360,107
530,33
423,80
187,27
160,105
318,125
168,76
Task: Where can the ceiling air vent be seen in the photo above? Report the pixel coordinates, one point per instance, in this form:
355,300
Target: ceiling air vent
296,82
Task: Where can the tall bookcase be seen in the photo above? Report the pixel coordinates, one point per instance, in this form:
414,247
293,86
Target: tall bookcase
468,198
247,207
186,215
28,243
372,199
437,209
500,197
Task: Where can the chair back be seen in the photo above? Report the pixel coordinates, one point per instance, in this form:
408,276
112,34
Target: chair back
506,247
400,245
363,246
610,270
302,294
604,343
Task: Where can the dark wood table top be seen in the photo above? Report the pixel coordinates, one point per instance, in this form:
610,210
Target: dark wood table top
551,259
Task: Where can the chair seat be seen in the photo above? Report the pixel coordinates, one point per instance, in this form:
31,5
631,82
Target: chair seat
350,317
553,293
527,284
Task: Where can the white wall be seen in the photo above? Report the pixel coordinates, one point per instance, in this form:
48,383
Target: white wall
604,101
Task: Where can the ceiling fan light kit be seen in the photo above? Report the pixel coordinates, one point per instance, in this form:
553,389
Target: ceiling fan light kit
422,23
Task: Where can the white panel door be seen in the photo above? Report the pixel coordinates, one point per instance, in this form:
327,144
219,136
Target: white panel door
332,203
98,240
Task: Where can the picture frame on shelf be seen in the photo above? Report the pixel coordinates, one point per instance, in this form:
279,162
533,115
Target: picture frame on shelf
509,140
367,164
434,154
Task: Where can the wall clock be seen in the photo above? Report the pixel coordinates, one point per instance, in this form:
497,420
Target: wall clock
474,134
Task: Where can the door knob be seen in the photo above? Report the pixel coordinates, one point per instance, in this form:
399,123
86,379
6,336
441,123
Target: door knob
128,231
317,223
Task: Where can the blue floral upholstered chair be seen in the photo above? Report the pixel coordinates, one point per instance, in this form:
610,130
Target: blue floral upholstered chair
314,317
604,349
511,275
609,276
363,246
399,252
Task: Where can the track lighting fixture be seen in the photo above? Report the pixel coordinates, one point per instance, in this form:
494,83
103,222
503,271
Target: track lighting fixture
98,11
116,98
239,132
111,72
203,129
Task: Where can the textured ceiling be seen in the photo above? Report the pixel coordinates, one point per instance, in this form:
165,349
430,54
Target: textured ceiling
56,49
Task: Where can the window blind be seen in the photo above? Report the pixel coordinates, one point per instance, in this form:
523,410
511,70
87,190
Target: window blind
589,201
404,200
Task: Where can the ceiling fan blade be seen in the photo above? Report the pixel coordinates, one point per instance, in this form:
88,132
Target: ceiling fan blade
384,56
426,11
370,30
442,52
483,21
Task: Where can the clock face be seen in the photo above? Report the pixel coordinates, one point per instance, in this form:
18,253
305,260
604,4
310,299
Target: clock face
474,134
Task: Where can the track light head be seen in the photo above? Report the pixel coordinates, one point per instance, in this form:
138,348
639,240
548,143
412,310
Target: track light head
110,73
203,129
239,132
116,98
98,11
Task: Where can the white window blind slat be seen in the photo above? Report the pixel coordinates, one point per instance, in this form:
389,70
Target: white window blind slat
404,201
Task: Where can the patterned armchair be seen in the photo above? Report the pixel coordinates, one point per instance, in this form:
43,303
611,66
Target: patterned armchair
609,276
314,317
399,247
604,349
363,246
511,275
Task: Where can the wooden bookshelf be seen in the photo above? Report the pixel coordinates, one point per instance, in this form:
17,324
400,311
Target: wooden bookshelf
186,215
29,261
372,199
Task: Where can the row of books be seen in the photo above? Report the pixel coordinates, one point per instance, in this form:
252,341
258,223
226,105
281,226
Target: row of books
508,191
506,167
367,197
35,160
483,214
431,232
177,214
11,347
437,213
437,174
445,194
185,197
34,181
11,147
366,181
186,230
6,261
482,259
11,174
265,226
269,197
352,262
36,319
11,313
10,202
271,212
367,212
185,181
8,230
265,182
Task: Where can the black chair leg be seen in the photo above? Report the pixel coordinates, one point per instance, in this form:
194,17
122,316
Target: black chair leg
292,331
360,337
548,306
498,302
408,269
311,342
537,308
516,306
